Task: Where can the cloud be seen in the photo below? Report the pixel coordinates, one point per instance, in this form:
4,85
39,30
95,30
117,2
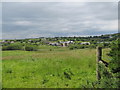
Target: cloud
60,1
22,23
49,19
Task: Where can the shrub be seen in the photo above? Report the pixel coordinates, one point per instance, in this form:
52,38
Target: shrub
5,44
13,47
92,46
115,60
4,48
31,48
71,47
111,75
115,56
82,46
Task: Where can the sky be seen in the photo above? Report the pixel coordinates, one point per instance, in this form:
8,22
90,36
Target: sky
56,19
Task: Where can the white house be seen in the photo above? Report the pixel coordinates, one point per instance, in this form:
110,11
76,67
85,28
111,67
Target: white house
66,43
85,43
12,42
54,44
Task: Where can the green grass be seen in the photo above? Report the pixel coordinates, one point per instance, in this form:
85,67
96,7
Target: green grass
59,68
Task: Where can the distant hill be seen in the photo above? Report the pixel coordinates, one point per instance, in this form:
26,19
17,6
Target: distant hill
106,37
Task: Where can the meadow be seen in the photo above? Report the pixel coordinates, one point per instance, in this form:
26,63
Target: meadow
50,68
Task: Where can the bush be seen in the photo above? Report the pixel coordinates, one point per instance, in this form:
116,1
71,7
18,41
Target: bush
92,46
71,47
82,46
31,48
13,47
115,56
4,48
111,75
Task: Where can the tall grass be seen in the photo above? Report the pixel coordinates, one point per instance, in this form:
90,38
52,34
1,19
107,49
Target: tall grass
49,69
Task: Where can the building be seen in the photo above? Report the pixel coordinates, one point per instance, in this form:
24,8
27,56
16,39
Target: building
66,43
85,43
54,44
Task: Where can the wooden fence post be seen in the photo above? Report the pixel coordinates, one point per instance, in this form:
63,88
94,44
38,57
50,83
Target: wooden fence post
99,57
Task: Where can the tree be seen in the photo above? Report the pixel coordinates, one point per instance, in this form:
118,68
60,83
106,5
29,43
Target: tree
115,56
115,61
31,48
110,76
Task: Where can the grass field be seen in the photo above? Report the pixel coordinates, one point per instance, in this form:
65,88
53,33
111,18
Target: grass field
58,68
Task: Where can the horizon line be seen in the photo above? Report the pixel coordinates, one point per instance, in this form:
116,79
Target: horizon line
56,36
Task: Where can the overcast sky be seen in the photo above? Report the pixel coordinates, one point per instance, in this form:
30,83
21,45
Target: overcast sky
50,19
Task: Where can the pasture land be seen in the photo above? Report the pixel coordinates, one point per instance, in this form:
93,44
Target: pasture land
58,68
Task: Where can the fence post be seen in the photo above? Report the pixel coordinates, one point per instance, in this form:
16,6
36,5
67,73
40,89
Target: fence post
99,57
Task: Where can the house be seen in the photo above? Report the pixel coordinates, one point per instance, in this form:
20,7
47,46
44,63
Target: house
4,41
12,42
103,42
29,40
54,44
85,43
64,44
